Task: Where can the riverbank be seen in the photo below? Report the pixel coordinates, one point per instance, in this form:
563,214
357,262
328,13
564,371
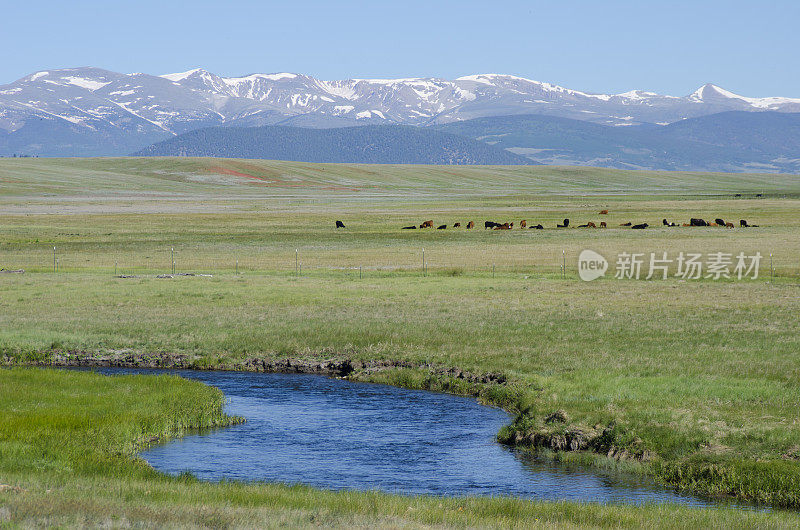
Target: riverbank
553,435
69,440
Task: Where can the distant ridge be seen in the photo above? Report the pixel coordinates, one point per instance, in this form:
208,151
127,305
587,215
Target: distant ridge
728,141
370,144
91,111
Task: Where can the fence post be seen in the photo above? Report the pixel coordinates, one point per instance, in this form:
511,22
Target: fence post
296,273
771,268
54,259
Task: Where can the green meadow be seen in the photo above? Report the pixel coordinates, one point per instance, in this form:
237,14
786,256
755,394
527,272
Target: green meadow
695,382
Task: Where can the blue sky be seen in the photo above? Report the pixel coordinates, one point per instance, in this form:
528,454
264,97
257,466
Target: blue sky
669,47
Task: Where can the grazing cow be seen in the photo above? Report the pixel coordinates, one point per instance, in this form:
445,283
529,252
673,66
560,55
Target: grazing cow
639,227
504,226
720,222
470,224
713,224
728,225
626,224
412,227
743,224
603,212
490,224
697,222
339,224
602,224
427,224
537,227
456,225
666,223
565,225
523,223
441,227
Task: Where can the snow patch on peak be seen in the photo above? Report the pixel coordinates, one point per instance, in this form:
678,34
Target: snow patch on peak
89,84
708,90
236,81
37,75
180,76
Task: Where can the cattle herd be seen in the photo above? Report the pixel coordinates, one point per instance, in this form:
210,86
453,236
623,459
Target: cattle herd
493,225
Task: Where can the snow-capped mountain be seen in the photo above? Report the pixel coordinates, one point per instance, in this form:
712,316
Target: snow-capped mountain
83,111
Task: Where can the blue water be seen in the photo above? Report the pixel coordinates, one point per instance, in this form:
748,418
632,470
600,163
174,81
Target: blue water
336,434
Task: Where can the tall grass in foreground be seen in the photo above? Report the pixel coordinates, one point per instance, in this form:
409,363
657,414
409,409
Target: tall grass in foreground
80,423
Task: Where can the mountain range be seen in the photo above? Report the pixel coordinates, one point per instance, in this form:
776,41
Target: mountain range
94,112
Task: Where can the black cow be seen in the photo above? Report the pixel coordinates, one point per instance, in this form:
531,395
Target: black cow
640,227
339,224
412,227
537,227
565,225
697,222
441,227
490,224
720,222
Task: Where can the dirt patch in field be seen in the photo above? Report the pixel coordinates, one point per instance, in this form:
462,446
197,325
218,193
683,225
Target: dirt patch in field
267,177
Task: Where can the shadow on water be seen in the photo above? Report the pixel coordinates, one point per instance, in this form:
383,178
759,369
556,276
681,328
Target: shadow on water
337,434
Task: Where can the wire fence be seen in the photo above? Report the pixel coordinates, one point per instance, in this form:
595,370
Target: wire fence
480,260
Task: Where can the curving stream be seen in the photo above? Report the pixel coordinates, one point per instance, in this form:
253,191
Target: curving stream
336,434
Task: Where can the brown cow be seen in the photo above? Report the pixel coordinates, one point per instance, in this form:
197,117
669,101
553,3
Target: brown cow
728,225
470,224
427,224
504,226
713,224
626,224
602,224
592,225
456,225
603,212
523,223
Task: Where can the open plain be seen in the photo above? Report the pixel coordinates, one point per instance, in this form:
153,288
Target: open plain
695,382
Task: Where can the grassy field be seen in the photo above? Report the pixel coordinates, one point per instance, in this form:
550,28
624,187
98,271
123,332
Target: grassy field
695,381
